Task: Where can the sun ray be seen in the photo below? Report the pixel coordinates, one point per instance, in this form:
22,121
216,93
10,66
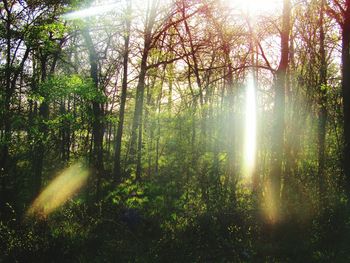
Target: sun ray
91,11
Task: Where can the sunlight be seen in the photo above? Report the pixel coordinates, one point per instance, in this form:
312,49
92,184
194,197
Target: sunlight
59,190
91,11
250,128
256,6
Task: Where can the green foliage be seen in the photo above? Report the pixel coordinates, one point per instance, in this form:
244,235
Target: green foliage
57,88
42,36
129,194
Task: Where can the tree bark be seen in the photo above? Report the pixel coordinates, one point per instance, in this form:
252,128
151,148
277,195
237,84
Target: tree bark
136,133
39,148
118,142
97,125
6,122
346,92
279,110
11,76
322,114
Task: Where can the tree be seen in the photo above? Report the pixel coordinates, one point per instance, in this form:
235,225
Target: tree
346,89
117,153
340,11
151,35
98,115
136,134
322,115
16,56
279,109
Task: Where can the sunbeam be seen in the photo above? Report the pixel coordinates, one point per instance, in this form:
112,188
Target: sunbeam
91,11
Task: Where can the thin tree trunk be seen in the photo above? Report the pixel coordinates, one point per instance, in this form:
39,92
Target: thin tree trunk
231,149
322,114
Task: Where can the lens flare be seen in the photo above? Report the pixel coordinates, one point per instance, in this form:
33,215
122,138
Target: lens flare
59,190
270,208
250,128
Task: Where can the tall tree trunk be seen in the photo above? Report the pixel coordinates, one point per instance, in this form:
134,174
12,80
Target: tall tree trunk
346,92
136,133
39,148
199,82
6,122
279,111
136,136
97,125
117,159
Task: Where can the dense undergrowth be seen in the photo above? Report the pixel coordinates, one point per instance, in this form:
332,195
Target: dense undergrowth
144,223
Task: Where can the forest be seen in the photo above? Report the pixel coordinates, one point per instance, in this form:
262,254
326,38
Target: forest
175,131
